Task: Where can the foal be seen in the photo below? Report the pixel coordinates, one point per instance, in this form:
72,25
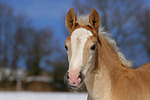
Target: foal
95,60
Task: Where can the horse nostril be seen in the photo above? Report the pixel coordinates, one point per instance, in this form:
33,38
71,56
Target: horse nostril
67,75
80,75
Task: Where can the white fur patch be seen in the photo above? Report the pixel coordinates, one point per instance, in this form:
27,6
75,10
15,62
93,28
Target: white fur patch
78,40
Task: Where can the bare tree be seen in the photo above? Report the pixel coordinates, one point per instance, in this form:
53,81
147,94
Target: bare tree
144,22
6,20
39,48
20,42
117,17
22,24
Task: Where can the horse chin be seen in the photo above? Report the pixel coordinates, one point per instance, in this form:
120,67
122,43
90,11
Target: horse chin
75,87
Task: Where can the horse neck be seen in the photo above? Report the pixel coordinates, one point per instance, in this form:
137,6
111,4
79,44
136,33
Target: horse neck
103,76
107,57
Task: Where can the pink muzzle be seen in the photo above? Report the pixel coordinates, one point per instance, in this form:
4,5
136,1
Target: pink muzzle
74,78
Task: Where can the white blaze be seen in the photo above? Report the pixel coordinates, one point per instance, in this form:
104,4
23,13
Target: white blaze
78,40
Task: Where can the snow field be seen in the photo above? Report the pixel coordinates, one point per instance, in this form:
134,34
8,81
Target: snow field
42,96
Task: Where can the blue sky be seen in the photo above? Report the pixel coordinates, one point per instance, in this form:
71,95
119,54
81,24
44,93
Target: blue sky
43,13
41,9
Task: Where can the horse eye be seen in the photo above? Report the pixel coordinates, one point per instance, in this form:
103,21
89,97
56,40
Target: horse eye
93,47
66,47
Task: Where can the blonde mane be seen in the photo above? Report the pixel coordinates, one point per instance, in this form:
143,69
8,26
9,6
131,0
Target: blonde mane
84,20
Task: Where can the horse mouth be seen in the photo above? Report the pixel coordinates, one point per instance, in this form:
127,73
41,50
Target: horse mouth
75,86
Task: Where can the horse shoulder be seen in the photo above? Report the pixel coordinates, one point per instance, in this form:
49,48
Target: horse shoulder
134,84
145,66
127,87
144,72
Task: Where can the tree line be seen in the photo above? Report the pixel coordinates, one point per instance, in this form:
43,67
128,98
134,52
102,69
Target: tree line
21,45
34,50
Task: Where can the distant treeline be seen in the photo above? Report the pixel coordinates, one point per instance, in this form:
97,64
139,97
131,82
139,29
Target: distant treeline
28,48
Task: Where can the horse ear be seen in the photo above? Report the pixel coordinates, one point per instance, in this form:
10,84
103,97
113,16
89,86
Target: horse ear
70,19
94,19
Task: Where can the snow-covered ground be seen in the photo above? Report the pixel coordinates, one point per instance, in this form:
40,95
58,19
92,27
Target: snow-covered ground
42,96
